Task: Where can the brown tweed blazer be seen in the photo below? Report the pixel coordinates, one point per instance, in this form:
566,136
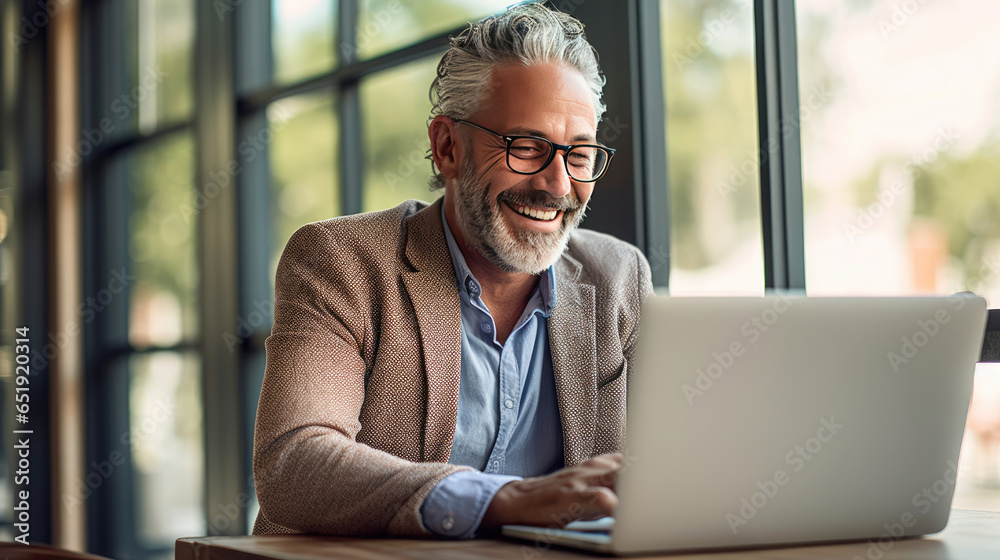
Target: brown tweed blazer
357,410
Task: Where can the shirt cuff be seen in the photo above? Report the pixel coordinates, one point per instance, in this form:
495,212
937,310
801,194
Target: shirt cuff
456,506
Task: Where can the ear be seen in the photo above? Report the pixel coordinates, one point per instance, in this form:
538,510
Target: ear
445,148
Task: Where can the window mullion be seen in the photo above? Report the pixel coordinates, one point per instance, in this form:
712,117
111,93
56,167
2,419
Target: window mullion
780,149
349,114
225,472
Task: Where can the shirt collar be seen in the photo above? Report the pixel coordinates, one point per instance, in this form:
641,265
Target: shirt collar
468,284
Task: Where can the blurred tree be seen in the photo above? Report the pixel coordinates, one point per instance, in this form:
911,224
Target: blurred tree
963,194
711,127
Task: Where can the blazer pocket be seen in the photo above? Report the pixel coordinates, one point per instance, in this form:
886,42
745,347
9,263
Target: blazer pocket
614,374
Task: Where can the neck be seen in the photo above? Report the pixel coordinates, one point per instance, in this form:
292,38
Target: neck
499,286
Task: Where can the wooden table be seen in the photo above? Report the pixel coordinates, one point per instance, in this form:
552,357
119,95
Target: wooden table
970,535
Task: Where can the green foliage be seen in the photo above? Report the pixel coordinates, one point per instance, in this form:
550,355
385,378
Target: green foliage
711,121
304,185
161,233
962,193
395,134
386,25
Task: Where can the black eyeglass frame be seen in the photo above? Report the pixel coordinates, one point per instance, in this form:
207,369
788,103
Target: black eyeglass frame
508,139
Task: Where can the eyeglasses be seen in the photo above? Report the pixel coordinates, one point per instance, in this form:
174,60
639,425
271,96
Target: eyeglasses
528,155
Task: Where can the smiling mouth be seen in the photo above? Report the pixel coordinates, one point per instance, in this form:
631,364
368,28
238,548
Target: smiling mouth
534,213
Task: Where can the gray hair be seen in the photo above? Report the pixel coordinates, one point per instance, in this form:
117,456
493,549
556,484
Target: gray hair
527,34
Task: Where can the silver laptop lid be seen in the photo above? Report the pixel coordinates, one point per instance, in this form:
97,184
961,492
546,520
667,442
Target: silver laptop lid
789,419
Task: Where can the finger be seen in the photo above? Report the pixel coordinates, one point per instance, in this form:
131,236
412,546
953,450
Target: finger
603,480
604,501
574,479
600,477
592,503
607,460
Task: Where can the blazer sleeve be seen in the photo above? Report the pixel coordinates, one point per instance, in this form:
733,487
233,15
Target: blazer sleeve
310,473
643,288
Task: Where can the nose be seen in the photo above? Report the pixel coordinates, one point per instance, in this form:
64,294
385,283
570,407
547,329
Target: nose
554,179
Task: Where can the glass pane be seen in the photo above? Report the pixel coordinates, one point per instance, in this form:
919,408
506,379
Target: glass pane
304,185
162,245
711,122
901,149
386,25
978,484
165,438
161,63
302,38
395,109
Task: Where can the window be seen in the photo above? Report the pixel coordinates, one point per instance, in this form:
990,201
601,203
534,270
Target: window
900,154
900,147
146,451
302,38
386,25
302,155
164,428
395,135
711,124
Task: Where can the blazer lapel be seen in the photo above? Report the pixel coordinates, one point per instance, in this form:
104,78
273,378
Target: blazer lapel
573,345
431,285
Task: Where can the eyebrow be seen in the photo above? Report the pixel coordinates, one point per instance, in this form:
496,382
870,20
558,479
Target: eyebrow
532,132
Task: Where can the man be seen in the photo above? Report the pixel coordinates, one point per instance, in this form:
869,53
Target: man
448,368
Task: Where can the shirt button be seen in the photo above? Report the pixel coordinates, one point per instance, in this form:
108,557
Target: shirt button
509,403
486,327
448,523
496,464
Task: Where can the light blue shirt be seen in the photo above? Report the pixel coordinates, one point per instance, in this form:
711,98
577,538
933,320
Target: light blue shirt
508,423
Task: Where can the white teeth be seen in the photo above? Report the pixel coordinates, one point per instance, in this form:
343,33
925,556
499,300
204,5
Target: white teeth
537,214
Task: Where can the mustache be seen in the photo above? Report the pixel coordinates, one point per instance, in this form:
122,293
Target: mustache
540,199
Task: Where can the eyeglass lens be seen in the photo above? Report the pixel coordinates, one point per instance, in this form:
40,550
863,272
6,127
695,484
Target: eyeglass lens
583,163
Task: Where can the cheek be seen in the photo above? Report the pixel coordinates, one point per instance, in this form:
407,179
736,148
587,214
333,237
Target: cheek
583,192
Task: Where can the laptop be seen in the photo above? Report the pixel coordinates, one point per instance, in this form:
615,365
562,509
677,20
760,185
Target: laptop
784,420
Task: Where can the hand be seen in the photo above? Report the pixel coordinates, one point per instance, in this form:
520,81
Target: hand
584,491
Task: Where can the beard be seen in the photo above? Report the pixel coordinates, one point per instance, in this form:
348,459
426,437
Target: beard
512,250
